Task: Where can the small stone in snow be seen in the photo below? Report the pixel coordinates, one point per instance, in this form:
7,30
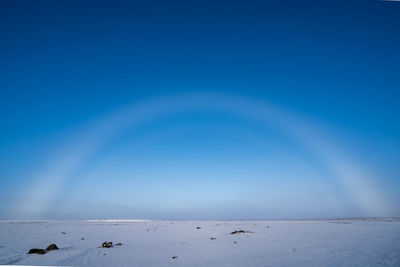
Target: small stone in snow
240,232
52,247
37,251
106,244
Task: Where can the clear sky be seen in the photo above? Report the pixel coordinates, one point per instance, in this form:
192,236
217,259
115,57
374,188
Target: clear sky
199,109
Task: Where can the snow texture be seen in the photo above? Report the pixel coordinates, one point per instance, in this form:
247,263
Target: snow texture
372,242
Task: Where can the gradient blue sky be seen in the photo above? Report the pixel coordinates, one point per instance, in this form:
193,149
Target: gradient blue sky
70,70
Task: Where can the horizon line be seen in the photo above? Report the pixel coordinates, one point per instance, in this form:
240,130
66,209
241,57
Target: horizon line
197,220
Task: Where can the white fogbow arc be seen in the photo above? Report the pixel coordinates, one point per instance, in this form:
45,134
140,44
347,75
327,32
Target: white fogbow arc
58,170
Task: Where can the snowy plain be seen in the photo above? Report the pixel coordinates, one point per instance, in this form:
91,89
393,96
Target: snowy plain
357,242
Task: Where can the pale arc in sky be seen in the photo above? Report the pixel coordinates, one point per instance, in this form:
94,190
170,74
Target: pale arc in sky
46,184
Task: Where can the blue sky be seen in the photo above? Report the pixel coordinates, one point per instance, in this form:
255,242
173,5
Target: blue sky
71,72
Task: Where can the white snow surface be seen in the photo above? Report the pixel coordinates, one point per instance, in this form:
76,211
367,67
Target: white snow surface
358,242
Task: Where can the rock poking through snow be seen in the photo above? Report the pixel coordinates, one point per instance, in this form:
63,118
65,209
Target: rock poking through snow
37,251
240,232
107,244
52,247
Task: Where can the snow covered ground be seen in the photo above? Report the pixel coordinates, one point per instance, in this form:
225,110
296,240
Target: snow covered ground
155,243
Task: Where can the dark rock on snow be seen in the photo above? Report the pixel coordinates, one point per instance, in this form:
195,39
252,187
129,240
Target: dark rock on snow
107,244
240,232
52,247
37,251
